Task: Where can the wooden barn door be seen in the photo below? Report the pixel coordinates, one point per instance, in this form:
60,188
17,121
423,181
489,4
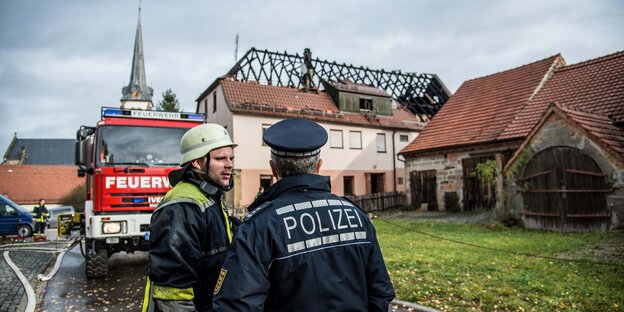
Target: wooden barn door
475,194
423,189
564,188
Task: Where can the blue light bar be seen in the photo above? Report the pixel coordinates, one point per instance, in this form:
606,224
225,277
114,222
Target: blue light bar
138,200
107,111
198,117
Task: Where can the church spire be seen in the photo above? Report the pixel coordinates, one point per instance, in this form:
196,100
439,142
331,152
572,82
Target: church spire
137,94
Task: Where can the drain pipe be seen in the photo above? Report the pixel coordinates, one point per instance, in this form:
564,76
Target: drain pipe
398,157
394,170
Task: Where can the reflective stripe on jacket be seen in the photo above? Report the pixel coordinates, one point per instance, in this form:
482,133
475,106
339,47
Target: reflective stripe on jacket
304,249
40,213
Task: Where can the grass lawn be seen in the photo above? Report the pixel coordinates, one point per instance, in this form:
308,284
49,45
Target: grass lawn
449,276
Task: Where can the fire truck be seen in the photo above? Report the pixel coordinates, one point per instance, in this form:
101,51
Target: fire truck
126,159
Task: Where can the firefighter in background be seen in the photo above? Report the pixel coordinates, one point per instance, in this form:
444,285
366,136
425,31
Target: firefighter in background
42,218
190,230
301,248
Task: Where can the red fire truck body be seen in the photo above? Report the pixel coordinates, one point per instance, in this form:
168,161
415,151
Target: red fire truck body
126,159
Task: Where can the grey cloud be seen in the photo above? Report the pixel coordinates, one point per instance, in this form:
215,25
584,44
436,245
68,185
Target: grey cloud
60,61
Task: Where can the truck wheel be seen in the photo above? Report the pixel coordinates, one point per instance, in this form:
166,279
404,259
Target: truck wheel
97,262
24,231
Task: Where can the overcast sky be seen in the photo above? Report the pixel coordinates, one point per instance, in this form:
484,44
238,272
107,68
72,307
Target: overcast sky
60,61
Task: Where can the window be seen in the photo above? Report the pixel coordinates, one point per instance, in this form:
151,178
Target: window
400,180
366,104
147,146
214,101
335,140
381,142
355,139
264,128
6,210
403,138
206,106
348,185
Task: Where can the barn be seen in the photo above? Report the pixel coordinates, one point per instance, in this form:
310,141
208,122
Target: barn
568,174
551,133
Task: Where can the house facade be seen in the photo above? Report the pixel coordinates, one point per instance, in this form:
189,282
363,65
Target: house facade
26,184
38,168
365,125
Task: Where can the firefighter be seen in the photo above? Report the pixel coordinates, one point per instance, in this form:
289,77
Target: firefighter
42,218
190,230
301,248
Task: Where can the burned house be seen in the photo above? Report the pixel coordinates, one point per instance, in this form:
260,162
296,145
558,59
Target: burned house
369,116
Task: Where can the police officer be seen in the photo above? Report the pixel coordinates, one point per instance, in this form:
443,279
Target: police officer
190,230
42,217
302,248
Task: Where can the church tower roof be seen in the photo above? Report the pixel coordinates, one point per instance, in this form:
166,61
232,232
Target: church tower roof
137,90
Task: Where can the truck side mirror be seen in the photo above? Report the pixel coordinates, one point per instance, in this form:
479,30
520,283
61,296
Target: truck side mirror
84,132
78,155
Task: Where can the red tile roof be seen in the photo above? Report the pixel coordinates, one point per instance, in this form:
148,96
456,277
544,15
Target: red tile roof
601,127
26,184
598,127
595,86
483,107
254,98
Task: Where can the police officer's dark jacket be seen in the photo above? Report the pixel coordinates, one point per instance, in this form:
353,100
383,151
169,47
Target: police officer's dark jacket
304,249
188,241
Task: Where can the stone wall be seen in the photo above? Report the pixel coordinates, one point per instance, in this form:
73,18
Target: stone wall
449,174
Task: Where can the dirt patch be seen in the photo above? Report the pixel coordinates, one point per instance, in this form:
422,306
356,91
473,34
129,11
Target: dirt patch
610,250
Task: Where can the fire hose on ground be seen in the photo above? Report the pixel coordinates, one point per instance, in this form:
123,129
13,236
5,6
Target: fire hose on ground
30,293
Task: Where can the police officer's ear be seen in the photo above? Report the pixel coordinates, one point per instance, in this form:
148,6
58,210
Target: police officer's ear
318,166
272,164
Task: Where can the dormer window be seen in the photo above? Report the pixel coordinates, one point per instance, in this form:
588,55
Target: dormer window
366,104
359,98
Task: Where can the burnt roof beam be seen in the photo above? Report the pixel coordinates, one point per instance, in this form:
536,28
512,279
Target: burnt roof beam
283,69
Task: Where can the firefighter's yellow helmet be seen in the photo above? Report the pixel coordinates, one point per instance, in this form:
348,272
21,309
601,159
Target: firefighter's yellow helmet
200,140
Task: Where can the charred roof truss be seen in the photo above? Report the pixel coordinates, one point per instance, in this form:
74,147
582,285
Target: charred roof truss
422,93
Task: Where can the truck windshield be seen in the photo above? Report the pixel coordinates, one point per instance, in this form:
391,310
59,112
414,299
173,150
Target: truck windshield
140,146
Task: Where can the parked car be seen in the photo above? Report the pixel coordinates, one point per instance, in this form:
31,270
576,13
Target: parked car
14,219
55,212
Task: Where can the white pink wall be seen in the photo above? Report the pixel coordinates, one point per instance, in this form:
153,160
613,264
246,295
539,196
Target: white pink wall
252,158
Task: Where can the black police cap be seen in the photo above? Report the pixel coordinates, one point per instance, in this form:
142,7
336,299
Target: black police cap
295,137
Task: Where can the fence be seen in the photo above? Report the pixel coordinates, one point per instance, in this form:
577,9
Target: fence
368,203
379,201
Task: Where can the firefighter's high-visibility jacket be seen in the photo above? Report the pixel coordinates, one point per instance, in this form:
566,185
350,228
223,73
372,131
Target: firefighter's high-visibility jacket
304,249
40,213
189,235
